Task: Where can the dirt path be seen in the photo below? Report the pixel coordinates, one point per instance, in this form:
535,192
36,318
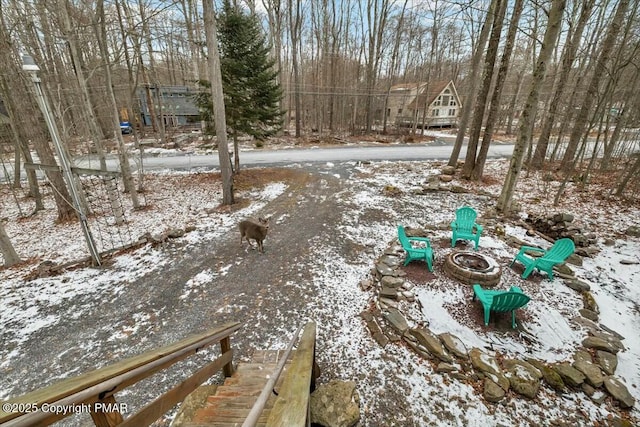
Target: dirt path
267,292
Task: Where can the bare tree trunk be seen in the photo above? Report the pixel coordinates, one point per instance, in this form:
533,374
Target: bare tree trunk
217,96
568,57
526,120
21,145
478,167
87,106
133,110
30,127
633,172
8,252
467,106
294,27
481,98
592,91
127,178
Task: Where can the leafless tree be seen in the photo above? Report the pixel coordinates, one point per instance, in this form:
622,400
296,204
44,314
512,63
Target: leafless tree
526,120
217,96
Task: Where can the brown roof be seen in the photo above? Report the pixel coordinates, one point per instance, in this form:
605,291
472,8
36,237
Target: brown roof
429,93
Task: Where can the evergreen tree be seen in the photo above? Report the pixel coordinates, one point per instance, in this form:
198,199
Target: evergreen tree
249,79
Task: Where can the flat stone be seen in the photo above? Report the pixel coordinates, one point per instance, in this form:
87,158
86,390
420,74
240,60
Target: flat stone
387,302
599,397
454,345
366,315
575,259
598,343
431,343
570,375
619,392
550,376
446,178
391,282
629,262
488,366
589,324
564,269
460,376
588,389
366,285
381,339
409,296
524,378
444,367
392,335
448,170
607,361
389,293
390,260
633,231
492,392
577,285
373,327
591,315
610,338
582,355
335,404
396,320
591,371
385,270
407,286
612,332
589,302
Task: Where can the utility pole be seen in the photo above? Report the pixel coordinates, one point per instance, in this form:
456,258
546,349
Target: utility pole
29,66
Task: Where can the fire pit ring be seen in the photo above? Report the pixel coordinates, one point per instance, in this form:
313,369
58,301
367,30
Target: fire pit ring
472,268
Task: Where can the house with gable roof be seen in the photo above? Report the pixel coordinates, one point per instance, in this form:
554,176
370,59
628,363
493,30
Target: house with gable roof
408,101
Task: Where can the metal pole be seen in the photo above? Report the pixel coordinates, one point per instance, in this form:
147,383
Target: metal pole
33,69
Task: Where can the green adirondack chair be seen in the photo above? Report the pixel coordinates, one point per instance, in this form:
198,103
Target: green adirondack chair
500,301
465,227
422,251
557,254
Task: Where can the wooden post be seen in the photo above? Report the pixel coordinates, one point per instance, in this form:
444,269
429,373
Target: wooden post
225,345
110,418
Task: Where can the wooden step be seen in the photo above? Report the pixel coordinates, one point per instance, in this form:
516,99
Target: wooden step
232,401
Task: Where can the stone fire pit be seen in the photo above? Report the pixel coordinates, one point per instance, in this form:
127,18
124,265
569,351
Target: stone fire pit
472,268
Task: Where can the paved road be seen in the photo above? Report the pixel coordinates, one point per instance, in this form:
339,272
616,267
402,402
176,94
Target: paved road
304,155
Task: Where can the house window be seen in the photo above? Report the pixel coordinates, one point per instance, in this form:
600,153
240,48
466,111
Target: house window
447,91
452,111
438,101
452,103
445,100
399,110
435,112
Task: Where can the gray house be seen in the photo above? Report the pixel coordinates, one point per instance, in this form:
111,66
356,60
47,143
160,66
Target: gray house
178,106
437,103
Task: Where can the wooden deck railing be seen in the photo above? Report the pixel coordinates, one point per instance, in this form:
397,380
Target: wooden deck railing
291,408
94,391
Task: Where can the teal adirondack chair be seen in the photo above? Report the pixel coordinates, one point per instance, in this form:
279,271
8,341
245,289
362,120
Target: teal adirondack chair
500,301
465,227
416,253
557,254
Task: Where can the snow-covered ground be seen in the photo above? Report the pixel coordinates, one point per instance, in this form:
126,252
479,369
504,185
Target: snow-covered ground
180,200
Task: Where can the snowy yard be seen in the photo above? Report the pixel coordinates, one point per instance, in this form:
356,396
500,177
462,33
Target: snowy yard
28,307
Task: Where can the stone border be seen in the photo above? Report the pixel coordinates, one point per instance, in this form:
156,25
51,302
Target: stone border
591,372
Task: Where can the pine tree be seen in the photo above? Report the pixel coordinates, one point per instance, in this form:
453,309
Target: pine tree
249,78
